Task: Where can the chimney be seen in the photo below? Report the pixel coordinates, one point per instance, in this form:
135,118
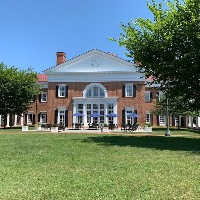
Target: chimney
61,58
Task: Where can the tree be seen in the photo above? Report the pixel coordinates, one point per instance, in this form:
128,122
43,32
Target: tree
176,107
168,48
17,90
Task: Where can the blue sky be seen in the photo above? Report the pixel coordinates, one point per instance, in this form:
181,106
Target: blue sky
32,31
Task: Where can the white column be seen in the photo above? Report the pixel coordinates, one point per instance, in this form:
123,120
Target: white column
74,111
115,111
197,122
106,112
8,120
186,121
85,113
22,120
15,120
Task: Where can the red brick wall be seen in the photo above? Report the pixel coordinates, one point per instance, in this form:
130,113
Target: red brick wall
76,90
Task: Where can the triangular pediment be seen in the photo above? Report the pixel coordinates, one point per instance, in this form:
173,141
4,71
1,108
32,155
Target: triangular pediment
94,61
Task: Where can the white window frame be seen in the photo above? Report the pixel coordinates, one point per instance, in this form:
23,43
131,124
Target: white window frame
43,97
147,96
128,119
162,120
95,92
30,118
43,114
62,91
148,117
127,92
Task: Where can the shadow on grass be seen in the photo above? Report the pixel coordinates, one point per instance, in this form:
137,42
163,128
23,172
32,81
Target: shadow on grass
175,129
153,142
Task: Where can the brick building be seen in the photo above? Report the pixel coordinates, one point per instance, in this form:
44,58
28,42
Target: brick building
94,82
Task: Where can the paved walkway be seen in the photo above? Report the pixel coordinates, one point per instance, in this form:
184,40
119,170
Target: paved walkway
99,131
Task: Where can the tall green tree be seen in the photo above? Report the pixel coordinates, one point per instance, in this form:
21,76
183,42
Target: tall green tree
17,90
168,48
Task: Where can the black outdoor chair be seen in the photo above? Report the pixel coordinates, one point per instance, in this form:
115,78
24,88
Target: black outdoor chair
77,126
61,127
123,127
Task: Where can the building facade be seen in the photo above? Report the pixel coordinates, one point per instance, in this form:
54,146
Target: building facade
94,82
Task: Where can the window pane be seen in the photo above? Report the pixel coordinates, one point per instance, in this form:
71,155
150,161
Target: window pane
147,118
44,97
95,91
147,96
80,106
95,106
88,106
101,106
129,90
101,92
62,91
89,93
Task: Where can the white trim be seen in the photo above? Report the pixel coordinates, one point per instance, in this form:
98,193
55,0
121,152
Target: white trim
43,93
129,85
92,85
95,77
149,96
64,91
90,54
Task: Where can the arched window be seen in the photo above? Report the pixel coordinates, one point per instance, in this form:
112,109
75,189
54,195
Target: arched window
95,91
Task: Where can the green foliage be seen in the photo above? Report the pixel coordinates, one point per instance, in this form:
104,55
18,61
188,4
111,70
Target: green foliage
17,89
168,48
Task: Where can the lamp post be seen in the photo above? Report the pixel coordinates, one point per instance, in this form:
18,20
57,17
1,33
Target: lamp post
167,133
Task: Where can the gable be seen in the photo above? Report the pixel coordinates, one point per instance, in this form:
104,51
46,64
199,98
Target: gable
93,61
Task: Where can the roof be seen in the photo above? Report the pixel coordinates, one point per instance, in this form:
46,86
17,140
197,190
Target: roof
42,78
94,61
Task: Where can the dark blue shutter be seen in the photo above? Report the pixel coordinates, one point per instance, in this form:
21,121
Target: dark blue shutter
151,96
157,118
38,117
66,118
55,116
123,91
123,117
135,118
46,117
66,91
57,91
134,90
39,97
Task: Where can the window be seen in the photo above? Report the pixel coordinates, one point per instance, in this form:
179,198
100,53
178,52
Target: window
130,90
44,97
43,117
148,96
95,92
162,120
160,95
148,118
30,118
61,117
61,91
95,108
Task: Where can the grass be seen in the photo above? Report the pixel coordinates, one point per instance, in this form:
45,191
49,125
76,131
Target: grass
88,166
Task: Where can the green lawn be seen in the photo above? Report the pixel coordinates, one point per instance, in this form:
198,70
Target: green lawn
89,166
